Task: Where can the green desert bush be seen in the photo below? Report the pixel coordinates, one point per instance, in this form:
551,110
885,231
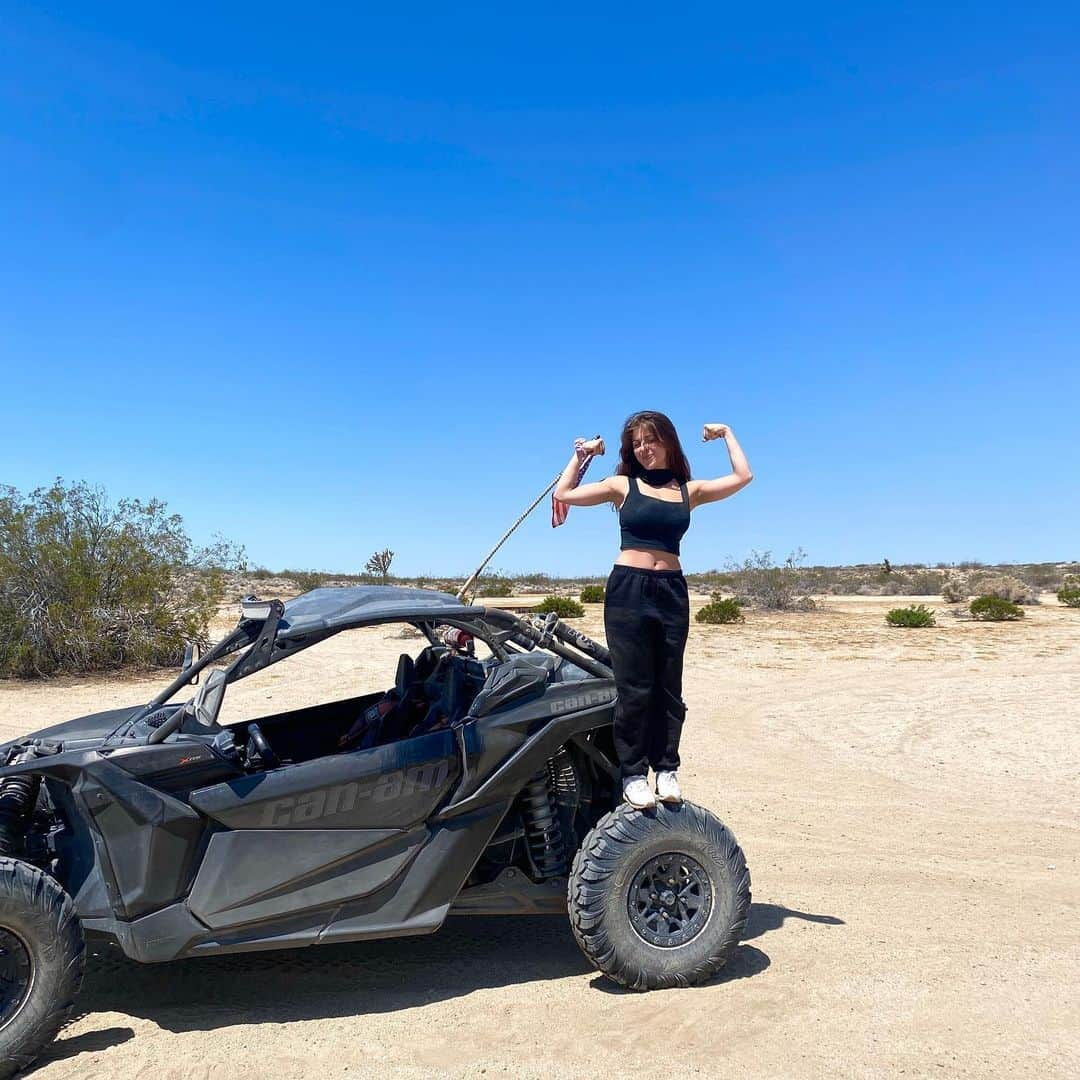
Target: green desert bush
915,615
1069,593
721,610
995,609
564,606
86,585
592,594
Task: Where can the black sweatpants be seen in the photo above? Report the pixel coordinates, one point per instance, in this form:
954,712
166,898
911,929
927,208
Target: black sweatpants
647,619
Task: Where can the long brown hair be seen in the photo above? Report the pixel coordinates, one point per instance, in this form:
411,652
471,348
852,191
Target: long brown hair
664,431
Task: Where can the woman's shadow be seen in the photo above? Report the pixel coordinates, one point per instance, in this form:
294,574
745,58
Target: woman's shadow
766,917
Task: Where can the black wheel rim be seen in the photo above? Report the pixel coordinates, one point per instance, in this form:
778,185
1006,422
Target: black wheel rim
670,900
16,971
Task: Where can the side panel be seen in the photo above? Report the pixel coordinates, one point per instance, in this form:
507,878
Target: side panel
414,899
151,840
261,874
489,743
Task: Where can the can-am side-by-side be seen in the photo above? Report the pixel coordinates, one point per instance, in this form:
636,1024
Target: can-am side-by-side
471,786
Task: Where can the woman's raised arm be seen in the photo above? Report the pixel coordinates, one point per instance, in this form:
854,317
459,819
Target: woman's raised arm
707,491
586,494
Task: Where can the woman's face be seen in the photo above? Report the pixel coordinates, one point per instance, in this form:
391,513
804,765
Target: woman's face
648,449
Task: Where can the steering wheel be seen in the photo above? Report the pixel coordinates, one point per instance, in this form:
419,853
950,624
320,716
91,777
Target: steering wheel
267,759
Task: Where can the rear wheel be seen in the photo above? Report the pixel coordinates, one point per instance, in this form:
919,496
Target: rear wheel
659,898
41,962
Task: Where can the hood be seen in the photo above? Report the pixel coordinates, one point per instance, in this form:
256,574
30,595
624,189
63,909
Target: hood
92,726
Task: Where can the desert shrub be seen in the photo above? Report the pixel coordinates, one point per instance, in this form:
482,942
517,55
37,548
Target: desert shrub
537,577
260,573
915,615
995,609
920,582
955,588
564,606
721,610
305,580
1069,593
1004,587
86,585
495,585
772,587
1041,576
592,594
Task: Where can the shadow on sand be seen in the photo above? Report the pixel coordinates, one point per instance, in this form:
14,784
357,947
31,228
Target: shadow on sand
281,986
747,961
352,979
766,917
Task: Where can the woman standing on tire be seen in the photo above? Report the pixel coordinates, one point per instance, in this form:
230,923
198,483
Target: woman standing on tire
646,606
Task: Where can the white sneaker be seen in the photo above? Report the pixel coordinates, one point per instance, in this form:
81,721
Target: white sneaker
667,787
636,792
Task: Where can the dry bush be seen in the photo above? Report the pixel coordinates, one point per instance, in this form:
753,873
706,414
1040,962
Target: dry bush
760,582
305,580
1004,587
956,588
921,583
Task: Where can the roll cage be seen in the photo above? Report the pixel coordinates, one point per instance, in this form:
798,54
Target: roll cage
272,630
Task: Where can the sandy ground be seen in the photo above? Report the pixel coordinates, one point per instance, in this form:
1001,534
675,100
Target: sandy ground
908,804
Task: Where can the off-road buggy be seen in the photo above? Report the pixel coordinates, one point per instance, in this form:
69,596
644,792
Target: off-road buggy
473,786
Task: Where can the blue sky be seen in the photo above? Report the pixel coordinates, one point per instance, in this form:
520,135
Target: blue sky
329,281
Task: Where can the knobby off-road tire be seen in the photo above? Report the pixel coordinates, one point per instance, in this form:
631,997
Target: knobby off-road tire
630,858
41,956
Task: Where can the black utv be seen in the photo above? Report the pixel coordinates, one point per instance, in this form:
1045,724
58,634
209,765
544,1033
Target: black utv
478,786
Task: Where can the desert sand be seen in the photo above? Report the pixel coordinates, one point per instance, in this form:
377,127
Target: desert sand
907,801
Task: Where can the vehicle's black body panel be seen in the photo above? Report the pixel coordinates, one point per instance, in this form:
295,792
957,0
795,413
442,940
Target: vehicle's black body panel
150,839
240,879
387,787
92,726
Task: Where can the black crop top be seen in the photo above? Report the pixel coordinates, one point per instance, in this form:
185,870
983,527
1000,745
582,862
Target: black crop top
649,522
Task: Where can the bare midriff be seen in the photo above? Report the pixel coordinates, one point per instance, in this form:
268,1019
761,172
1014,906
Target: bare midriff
648,559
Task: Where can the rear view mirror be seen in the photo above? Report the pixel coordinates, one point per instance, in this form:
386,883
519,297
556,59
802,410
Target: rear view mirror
192,652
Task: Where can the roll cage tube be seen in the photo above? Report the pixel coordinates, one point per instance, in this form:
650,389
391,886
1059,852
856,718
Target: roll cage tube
556,636
247,632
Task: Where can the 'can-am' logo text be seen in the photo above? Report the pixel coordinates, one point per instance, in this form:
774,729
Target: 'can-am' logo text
341,798
581,701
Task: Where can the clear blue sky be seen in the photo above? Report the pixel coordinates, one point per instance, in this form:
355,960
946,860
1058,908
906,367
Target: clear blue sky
329,281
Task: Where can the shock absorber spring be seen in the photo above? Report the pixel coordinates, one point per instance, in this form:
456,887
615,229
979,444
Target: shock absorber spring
18,794
542,829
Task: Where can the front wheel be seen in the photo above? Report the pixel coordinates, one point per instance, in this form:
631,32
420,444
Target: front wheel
41,962
659,898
